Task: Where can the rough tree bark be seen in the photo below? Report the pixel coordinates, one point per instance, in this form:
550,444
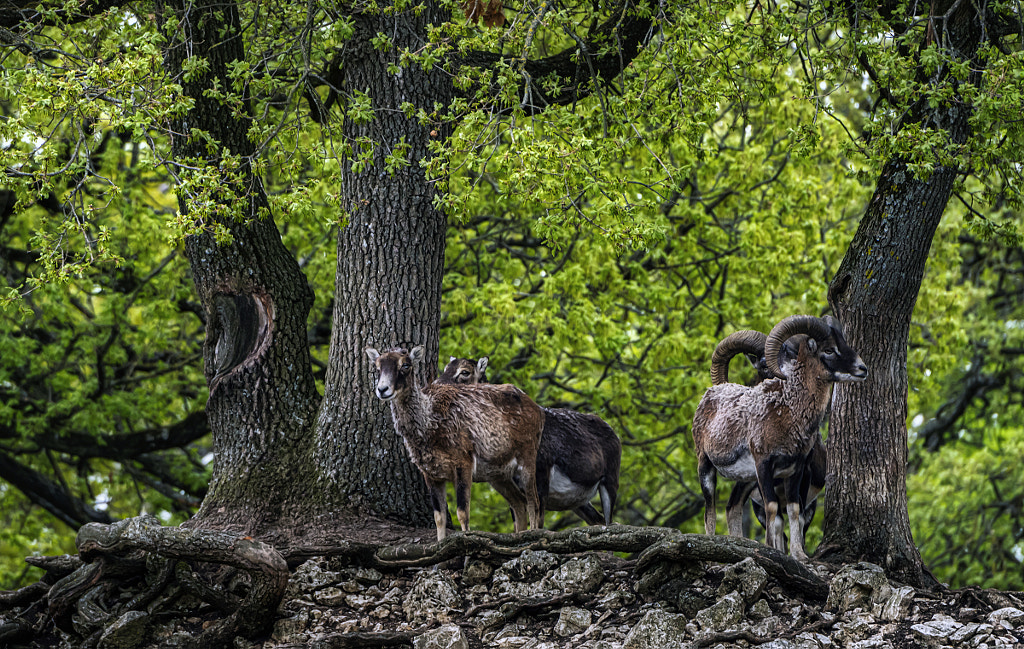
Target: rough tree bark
390,265
263,398
873,295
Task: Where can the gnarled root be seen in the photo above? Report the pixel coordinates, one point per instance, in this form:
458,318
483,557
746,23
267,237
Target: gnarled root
266,567
732,549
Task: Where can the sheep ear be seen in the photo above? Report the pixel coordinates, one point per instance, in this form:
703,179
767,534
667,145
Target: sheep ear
417,353
481,365
812,345
451,358
373,354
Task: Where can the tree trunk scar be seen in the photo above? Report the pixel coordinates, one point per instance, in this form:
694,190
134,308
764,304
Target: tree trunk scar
242,325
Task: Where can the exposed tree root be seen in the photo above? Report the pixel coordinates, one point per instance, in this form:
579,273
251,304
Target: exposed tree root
511,610
732,549
361,640
23,595
486,545
151,561
265,566
712,639
656,544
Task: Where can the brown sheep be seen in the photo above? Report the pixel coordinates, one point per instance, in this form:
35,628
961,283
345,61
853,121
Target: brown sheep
463,434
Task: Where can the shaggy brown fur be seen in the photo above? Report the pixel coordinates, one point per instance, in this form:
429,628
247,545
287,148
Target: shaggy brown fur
766,432
464,434
579,454
751,344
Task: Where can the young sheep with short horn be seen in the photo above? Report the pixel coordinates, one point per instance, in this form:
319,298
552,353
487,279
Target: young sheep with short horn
464,434
766,432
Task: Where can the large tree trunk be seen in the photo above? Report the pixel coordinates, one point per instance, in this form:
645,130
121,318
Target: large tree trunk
873,295
263,398
390,265
284,466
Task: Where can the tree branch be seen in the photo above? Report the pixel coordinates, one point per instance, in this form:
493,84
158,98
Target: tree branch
627,29
128,445
47,494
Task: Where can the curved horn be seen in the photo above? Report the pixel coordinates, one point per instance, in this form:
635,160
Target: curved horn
811,325
745,341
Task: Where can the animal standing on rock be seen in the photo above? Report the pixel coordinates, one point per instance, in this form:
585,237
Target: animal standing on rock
463,434
751,344
579,454
766,432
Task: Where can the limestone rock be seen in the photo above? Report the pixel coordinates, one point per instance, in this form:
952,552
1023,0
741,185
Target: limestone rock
760,610
874,642
477,573
291,630
1014,616
859,585
691,601
655,630
747,578
330,596
432,596
310,576
367,575
723,614
579,575
929,634
531,565
571,621
893,607
524,576
449,636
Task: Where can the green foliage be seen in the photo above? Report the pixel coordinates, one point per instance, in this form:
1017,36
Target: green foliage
598,249
968,506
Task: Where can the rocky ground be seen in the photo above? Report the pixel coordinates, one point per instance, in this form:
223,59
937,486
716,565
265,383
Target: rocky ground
595,601
534,598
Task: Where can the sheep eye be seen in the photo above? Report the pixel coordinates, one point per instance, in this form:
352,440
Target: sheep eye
406,367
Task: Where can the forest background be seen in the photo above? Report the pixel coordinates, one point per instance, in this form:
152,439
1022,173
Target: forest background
596,250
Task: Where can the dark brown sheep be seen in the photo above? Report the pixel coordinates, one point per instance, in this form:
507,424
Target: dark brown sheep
751,344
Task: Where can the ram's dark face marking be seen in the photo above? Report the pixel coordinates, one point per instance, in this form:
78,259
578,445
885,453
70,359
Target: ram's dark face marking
458,370
842,361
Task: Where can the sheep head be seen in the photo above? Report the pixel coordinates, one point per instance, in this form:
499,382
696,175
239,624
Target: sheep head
747,342
463,370
825,341
396,367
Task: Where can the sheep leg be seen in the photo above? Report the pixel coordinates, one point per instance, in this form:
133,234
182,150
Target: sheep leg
589,514
511,492
774,536
734,508
528,473
794,497
439,503
708,476
463,487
